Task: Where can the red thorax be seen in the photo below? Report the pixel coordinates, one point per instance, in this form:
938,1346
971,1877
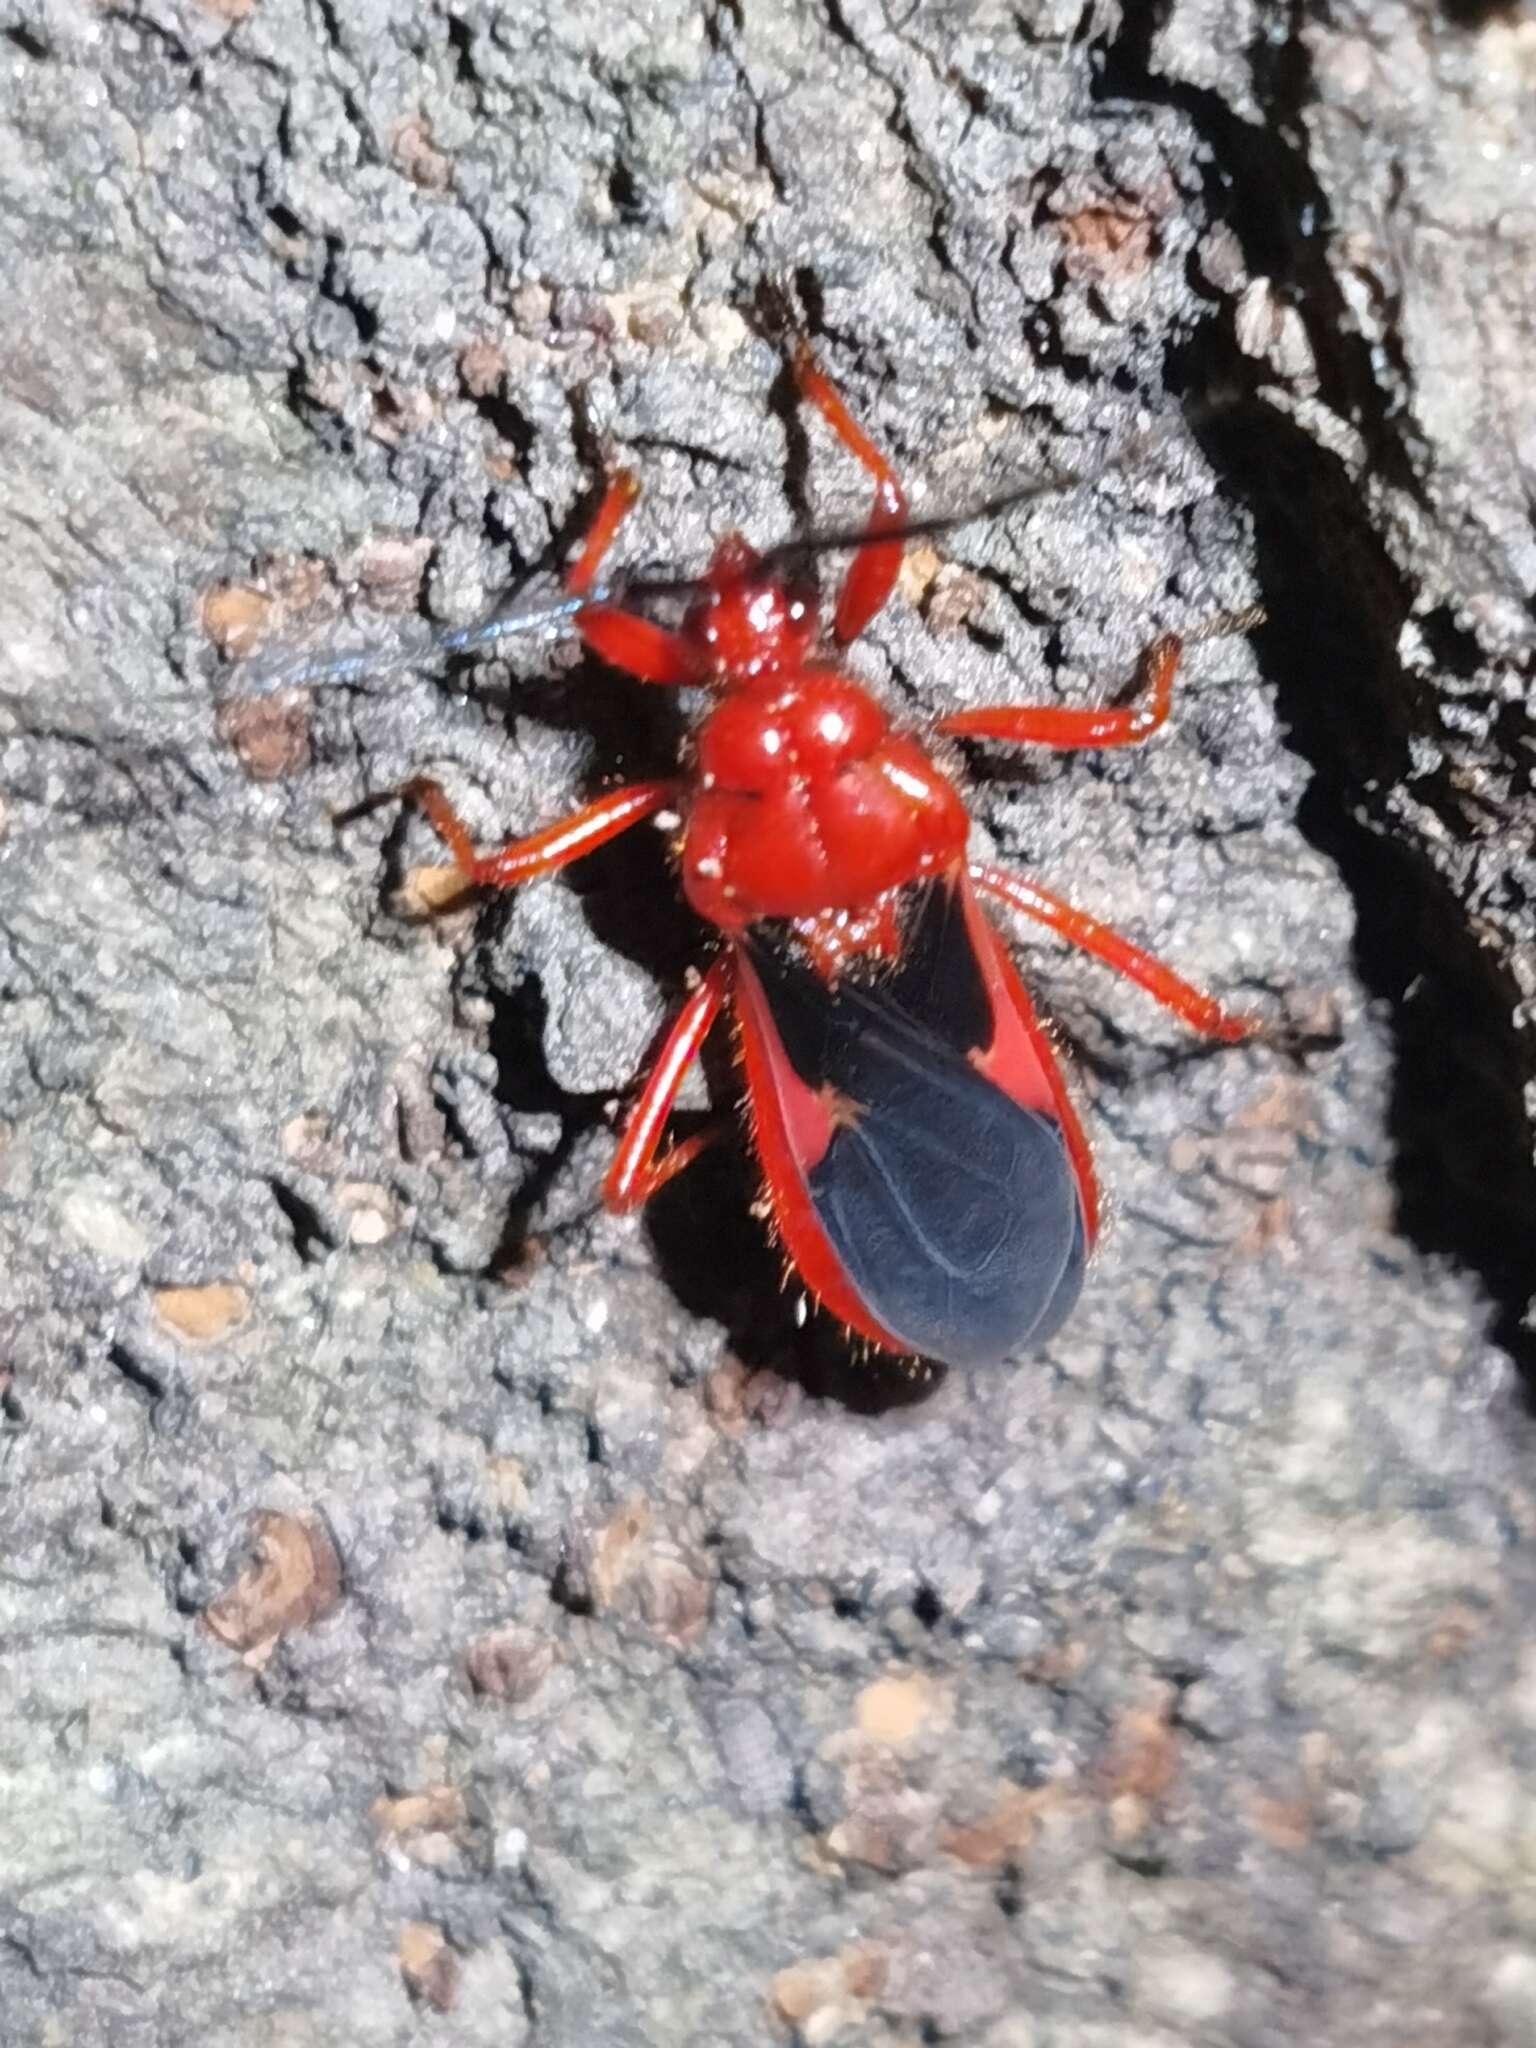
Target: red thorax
804,804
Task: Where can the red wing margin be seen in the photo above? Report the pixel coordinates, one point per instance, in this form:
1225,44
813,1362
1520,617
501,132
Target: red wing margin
948,1213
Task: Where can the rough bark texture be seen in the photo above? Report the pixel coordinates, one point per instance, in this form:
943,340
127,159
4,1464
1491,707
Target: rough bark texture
432,1611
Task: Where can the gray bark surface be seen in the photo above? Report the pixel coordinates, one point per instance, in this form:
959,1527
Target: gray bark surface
433,1610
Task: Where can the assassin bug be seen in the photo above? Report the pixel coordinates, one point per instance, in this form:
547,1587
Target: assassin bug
923,1167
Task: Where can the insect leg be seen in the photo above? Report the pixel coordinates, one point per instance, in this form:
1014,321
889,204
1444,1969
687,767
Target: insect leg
622,493
872,572
642,649
1114,725
638,646
1109,725
542,852
1200,1012
636,1172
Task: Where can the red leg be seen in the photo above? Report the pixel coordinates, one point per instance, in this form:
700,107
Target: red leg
1198,1011
541,853
638,646
636,1172
1116,725
642,649
622,492
873,569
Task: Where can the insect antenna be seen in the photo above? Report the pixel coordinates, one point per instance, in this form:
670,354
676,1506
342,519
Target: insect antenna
556,616
289,669
1028,491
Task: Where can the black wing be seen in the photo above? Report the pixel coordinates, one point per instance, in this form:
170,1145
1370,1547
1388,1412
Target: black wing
954,1211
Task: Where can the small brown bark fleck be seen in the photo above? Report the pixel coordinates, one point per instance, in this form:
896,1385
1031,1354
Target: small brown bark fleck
617,1550
234,617
508,1664
419,157
1137,1769
293,1581
482,367
202,1314
1107,241
1003,1834
429,1966
438,1808
829,1993
270,734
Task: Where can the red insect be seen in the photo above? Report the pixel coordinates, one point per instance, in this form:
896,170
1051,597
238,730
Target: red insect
922,1163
